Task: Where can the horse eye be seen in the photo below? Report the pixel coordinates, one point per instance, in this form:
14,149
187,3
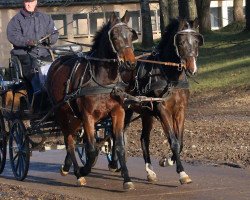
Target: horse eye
181,43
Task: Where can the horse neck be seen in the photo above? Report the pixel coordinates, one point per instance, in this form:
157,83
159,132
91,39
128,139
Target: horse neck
168,54
105,72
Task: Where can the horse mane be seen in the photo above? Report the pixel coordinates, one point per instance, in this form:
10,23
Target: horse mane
101,36
166,46
169,31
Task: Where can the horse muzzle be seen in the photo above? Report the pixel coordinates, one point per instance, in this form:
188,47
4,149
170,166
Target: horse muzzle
129,65
191,66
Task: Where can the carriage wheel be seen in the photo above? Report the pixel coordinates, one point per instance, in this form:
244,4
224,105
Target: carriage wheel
19,150
3,144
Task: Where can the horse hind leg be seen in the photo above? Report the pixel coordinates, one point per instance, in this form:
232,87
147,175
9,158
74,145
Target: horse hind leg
67,164
113,164
147,123
164,161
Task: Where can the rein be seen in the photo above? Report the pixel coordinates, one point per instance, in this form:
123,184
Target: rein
172,64
178,65
81,54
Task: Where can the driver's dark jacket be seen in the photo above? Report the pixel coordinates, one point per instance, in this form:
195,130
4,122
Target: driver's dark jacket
26,26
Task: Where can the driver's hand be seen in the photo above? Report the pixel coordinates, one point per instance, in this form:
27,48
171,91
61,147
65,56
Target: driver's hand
32,43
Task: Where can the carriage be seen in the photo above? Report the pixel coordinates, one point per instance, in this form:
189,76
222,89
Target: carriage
27,127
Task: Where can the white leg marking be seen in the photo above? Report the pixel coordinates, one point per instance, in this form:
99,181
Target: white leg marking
170,162
149,170
183,175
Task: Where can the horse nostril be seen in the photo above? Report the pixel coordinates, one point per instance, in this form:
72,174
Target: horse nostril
128,63
133,65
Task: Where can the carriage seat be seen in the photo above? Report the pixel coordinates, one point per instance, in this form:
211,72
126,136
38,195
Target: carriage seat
16,73
15,68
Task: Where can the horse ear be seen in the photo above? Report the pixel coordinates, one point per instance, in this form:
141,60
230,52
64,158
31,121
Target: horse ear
126,17
183,24
113,19
196,23
135,36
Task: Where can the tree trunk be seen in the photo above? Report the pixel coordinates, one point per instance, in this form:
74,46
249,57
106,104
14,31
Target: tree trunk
203,11
247,15
238,11
184,9
164,14
168,10
173,9
147,34
192,9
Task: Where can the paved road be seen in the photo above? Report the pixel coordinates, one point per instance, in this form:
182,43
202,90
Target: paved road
209,182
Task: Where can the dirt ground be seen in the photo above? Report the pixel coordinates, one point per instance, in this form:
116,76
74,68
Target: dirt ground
217,132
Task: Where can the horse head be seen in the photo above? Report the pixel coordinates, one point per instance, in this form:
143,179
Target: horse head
121,38
187,42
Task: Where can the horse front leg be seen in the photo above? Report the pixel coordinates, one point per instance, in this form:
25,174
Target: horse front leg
147,125
113,165
118,129
91,151
171,126
71,158
178,130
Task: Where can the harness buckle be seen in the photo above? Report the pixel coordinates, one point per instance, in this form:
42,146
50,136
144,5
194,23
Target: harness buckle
154,51
179,67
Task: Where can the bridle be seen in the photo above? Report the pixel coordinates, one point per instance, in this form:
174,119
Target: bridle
120,24
187,32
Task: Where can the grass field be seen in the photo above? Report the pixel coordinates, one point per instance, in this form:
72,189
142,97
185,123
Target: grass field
224,62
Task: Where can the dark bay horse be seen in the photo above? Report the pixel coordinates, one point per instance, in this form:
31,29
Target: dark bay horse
166,77
90,81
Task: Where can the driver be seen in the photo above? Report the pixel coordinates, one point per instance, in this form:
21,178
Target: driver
24,31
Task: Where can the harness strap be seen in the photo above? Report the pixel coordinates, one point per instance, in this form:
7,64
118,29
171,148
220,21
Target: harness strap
82,91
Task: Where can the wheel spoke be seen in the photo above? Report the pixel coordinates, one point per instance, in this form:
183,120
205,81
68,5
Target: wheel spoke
20,165
20,135
14,136
14,158
17,163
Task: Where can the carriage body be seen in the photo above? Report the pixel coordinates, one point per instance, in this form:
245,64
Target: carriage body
24,130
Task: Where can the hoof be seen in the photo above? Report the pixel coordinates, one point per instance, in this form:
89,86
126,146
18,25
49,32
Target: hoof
62,172
151,178
170,162
81,181
164,162
185,180
114,169
128,186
